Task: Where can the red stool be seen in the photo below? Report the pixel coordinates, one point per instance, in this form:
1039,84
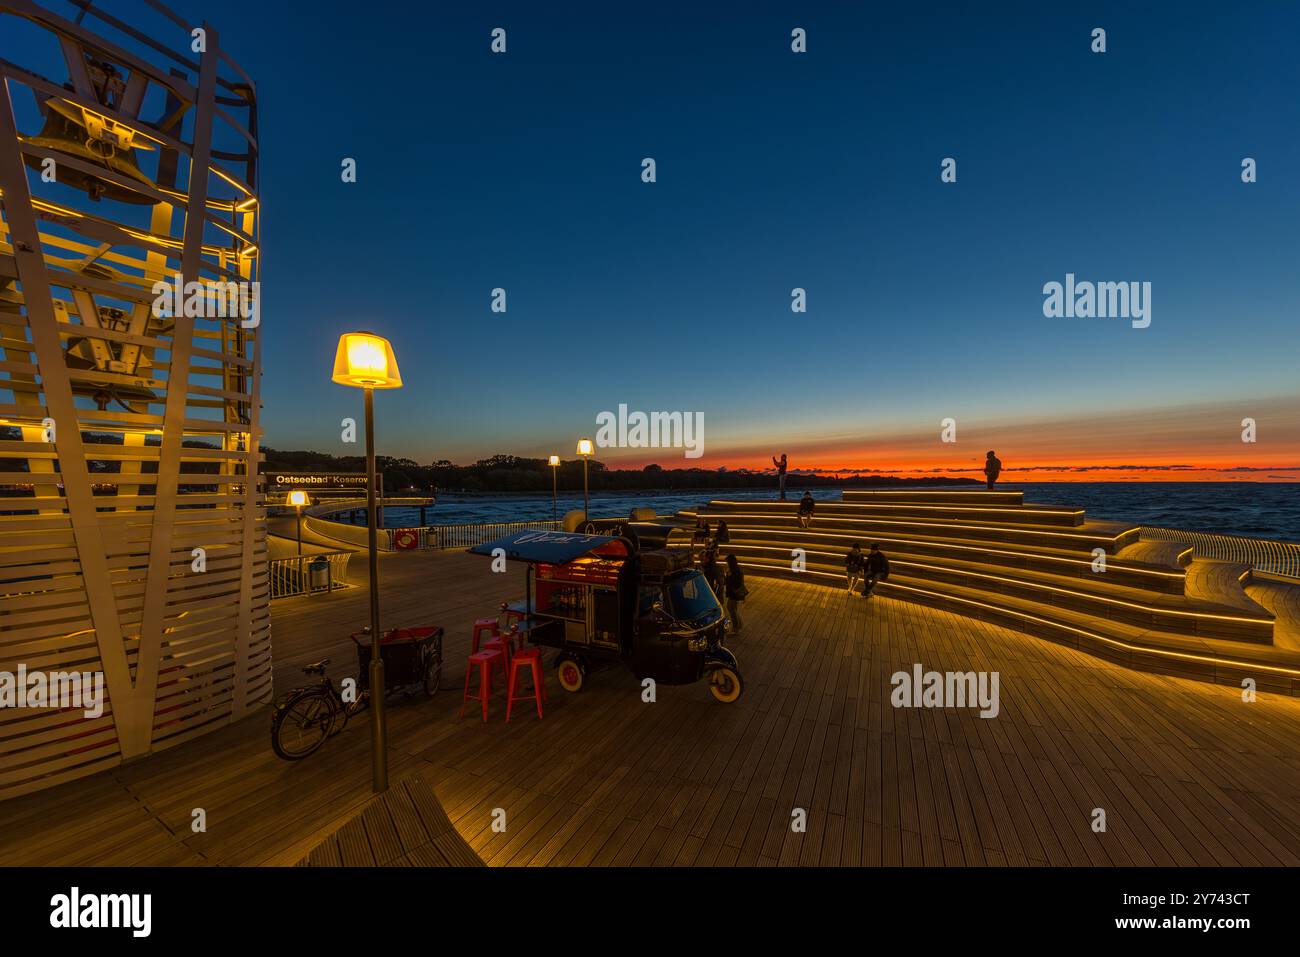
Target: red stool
500,643
532,661
532,651
481,625
483,661
514,638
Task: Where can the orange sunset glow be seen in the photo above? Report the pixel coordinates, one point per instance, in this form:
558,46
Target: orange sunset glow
1185,444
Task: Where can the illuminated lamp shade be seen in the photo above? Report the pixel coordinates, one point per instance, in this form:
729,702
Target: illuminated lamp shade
554,460
585,447
366,361
298,497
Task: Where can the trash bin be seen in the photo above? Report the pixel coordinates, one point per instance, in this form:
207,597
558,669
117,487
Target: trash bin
318,574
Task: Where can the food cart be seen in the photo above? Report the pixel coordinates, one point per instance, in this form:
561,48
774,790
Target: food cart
617,598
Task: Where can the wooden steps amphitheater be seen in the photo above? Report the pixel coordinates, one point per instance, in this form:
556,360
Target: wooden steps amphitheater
990,555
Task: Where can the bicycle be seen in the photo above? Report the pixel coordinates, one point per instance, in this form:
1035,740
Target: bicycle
307,716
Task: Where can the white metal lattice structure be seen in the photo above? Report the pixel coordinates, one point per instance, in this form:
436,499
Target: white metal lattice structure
154,447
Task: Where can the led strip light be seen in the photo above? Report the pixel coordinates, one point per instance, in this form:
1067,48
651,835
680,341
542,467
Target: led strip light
1115,642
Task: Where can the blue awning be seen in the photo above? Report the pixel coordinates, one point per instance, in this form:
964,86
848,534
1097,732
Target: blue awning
555,548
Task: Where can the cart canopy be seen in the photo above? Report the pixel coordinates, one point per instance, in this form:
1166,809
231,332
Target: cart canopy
554,548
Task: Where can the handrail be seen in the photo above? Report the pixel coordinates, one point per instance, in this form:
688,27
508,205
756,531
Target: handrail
1266,555
462,536
288,576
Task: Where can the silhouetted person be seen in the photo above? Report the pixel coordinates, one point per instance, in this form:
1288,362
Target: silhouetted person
806,505
780,473
709,565
736,593
723,535
876,569
992,468
699,535
853,563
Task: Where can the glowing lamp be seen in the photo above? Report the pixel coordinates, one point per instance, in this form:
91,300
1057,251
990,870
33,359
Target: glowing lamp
298,498
366,361
554,460
585,447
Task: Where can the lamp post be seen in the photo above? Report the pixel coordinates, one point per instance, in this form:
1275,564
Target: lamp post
366,361
298,499
585,450
555,471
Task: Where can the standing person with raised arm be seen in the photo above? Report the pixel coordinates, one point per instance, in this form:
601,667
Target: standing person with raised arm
780,473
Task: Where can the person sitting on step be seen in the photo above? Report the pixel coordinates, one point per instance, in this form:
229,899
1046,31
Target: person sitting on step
876,569
853,563
806,506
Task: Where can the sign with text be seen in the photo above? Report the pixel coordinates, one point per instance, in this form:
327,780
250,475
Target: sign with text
285,482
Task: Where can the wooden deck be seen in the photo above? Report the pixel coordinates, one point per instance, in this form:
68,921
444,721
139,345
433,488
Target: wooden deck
1186,772
405,826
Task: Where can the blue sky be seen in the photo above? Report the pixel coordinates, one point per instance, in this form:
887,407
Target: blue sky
775,170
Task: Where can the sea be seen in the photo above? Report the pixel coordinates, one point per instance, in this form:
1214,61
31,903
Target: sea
1255,509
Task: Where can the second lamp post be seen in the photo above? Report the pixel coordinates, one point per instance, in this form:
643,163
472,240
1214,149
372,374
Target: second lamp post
585,449
366,361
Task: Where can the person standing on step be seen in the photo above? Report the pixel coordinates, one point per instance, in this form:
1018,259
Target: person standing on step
780,473
713,574
699,535
723,534
806,506
876,569
736,593
853,563
992,469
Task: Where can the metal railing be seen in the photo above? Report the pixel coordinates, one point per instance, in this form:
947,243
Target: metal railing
1280,558
307,574
457,536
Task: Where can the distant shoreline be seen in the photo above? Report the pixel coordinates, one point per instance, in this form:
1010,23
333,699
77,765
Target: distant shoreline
792,482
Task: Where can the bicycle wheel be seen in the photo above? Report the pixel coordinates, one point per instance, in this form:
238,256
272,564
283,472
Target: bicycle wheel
433,669
302,724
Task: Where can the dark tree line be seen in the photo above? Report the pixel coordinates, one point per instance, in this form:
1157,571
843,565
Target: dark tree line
513,473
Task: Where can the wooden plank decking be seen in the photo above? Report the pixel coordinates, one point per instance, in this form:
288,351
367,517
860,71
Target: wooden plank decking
404,826
1186,771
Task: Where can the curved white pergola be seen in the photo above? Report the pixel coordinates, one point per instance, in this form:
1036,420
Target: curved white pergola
135,434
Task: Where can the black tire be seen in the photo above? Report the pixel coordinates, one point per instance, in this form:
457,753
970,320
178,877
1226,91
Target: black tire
303,723
433,670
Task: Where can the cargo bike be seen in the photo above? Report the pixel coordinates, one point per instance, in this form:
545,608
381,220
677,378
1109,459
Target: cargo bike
306,717
619,598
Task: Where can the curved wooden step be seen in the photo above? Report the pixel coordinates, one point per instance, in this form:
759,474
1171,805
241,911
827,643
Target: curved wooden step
1059,561
1164,554
1147,649
1017,514
1112,536
946,496
1099,597
1281,596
